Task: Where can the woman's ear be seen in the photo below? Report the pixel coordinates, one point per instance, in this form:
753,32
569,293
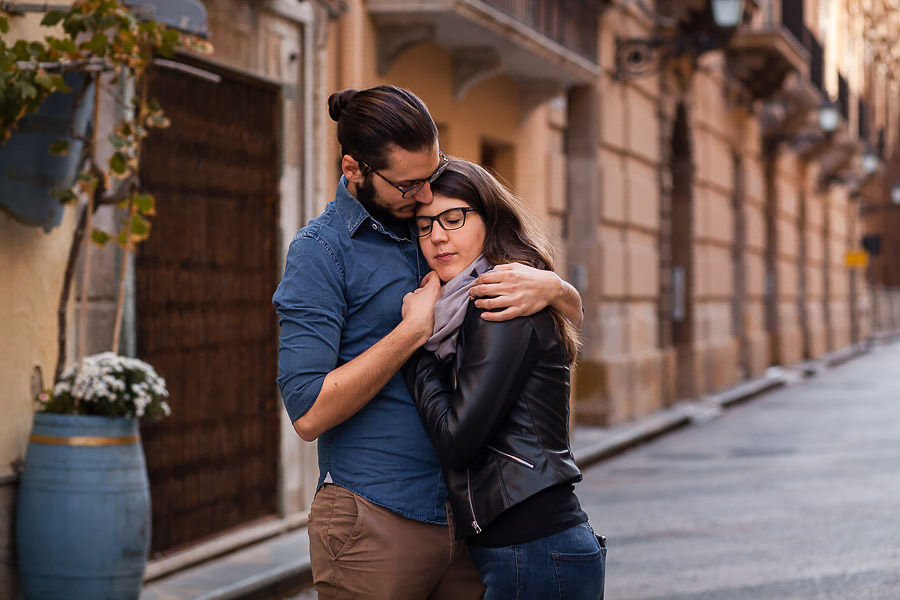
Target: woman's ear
352,170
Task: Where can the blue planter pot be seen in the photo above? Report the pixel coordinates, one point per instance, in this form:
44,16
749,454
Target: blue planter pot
29,173
83,513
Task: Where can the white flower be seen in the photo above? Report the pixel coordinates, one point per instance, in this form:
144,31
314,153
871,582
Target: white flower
114,384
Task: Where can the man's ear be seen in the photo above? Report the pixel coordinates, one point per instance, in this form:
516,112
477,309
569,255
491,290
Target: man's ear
352,170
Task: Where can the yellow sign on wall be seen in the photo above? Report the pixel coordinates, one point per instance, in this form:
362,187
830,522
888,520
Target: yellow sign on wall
856,259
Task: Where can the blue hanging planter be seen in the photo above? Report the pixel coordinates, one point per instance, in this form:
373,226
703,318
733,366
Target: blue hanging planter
28,172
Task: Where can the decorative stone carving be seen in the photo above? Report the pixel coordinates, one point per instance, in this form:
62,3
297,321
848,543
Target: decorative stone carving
471,65
761,59
396,35
791,114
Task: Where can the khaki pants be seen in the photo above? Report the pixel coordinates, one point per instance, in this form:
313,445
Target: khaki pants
360,550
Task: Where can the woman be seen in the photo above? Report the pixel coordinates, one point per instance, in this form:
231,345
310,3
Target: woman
493,397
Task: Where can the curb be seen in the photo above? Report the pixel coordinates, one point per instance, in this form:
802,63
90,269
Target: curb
681,415
644,431
286,578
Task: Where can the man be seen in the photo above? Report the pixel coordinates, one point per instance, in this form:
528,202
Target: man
379,527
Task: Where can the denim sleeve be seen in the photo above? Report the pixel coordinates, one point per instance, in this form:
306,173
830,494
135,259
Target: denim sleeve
311,313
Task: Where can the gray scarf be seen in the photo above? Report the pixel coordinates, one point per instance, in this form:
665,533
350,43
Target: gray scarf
450,309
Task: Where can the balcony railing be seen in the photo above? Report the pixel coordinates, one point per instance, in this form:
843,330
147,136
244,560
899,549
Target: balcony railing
792,17
816,60
863,119
572,24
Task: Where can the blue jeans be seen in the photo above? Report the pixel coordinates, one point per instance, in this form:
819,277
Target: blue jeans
569,565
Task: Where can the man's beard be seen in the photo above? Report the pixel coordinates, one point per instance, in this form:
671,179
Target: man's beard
365,193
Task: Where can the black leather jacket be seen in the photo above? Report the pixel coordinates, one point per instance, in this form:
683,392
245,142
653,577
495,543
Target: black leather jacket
497,412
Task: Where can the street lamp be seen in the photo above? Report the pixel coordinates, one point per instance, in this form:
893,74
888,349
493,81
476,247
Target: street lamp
727,13
829,116
641,56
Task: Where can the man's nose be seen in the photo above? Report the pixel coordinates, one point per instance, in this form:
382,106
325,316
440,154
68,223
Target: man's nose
424,196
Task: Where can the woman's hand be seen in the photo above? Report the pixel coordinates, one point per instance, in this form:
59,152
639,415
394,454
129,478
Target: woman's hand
418,307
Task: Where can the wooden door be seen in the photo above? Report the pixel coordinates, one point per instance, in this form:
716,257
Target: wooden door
205,280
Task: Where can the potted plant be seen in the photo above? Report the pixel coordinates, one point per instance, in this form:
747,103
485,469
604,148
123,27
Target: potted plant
83,512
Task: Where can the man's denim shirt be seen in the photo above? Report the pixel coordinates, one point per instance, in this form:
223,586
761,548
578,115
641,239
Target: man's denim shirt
342,290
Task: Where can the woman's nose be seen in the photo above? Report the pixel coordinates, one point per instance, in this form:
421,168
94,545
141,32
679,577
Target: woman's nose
438,234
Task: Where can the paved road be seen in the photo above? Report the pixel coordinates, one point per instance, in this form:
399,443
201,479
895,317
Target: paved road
793,496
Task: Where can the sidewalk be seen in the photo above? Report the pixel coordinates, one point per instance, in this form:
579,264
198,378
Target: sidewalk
282,563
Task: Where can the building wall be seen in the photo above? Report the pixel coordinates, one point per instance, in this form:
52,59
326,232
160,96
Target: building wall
753,207
789,192
717,123
621,361
815,236
839,242
32,264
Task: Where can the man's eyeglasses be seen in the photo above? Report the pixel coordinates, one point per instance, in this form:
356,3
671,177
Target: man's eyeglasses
417,184
450,219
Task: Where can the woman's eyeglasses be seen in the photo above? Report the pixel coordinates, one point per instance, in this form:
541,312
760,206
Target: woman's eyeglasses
450,219
417,184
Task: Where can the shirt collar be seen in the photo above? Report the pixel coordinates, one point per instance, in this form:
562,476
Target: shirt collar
353,213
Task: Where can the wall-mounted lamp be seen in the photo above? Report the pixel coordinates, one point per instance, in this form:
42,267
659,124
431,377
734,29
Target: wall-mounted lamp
636,57
829,116
728,13
895,194
870,160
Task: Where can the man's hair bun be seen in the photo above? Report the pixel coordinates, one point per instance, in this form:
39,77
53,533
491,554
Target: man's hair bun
338,101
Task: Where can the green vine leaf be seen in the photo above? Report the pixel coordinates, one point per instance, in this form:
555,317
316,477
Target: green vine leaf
42,79
118,163
64,46
145,203
97,44
140,227
52,18
60,84
117,141
28,90
100,237
60,147
4,25
65,195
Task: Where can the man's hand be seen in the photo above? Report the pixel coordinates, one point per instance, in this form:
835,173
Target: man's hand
350,386
418,306
515,290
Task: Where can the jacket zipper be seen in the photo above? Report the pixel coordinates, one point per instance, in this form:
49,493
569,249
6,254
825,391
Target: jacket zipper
521,461
475,524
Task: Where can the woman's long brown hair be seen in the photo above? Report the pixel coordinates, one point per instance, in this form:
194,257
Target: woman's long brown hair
512,235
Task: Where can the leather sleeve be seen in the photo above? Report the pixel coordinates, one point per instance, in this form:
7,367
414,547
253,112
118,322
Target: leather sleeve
496,360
